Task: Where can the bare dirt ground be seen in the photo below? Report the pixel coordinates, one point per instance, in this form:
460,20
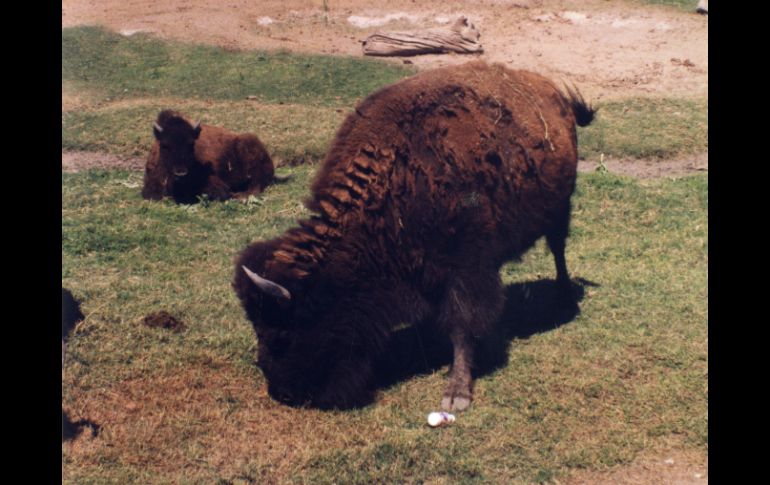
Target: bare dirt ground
610,48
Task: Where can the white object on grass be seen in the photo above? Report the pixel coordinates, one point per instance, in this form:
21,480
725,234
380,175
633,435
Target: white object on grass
441,418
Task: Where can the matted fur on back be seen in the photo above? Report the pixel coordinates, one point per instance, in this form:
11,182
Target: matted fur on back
451,138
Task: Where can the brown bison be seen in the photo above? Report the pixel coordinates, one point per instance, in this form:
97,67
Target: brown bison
430,186
188,161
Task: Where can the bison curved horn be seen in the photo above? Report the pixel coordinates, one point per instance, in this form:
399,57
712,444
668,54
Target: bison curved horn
157,127
197,126
273,289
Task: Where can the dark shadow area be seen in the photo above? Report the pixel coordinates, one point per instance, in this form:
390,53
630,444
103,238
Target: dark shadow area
70,430
530,308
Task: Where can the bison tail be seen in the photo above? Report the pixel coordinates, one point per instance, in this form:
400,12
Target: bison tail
584,112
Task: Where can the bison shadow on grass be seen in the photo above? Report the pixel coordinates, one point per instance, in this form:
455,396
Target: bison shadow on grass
531,308
71,315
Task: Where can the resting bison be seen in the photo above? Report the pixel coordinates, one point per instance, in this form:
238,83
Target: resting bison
429,187
188,161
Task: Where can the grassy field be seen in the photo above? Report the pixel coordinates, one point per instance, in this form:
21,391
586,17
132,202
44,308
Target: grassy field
628,374
300,100
555,394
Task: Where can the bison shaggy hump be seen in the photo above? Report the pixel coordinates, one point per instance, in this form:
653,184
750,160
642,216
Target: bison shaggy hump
430,186
188,161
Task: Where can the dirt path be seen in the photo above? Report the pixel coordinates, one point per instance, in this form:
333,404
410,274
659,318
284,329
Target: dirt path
77,161
610,48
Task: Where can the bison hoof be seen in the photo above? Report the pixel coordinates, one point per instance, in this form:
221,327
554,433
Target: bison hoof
455,403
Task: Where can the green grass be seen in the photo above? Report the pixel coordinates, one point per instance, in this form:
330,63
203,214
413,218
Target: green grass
632,128
646,128
684,5
287,130
123,82
122,67
628,374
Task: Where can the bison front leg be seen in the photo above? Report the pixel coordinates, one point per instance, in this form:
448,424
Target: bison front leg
216,189
470,307
459,393
154,187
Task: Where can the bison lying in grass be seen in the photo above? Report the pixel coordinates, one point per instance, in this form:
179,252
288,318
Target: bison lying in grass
430,186
187,161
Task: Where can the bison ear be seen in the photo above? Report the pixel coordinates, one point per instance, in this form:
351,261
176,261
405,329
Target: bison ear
197,129
157,130
272,289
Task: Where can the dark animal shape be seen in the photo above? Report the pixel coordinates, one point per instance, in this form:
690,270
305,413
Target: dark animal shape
429,187
188,161
70,316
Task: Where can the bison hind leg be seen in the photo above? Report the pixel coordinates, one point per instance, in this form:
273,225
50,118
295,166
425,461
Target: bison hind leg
557,241
472,303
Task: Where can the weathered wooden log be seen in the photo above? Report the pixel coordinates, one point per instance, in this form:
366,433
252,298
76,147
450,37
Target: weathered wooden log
461,37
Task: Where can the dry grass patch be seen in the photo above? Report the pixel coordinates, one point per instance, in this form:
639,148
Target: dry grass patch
213,420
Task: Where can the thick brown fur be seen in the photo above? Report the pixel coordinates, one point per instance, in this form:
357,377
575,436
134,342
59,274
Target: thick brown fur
212,161
429,187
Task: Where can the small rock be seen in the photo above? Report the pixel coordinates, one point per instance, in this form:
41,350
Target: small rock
669,461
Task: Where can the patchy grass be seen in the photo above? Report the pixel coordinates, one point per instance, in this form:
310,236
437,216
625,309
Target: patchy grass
646,128
684,5
114,86
633,128
122,67
629,373
125,128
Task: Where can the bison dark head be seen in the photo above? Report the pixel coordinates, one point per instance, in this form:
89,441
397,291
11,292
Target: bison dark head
305,349
176,137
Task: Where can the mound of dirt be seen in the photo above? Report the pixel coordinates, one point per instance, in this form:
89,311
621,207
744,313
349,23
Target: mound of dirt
163,319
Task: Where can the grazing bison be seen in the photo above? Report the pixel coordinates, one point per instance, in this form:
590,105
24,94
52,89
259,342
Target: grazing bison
187,161
430,186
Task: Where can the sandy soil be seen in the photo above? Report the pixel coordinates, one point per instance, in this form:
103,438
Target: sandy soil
609,48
